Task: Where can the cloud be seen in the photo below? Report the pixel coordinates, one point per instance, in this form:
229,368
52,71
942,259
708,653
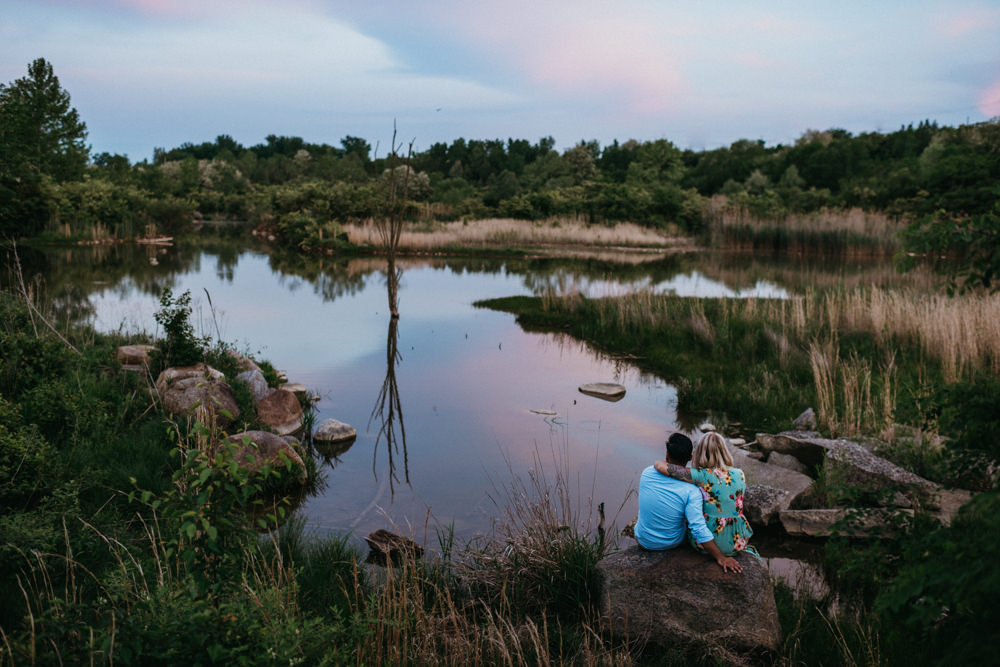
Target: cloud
964,23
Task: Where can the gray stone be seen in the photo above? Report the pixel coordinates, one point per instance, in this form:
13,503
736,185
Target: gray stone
762,504
662,596
604,390
787,461
198,391
333,431
765,474
856,523
260,448
810,451
806,421
281,411
850,464
255,380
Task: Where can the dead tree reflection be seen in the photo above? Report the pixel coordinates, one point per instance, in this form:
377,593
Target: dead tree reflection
388,410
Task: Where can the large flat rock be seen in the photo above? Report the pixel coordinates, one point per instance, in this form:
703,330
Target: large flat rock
662,596
761,505
871,522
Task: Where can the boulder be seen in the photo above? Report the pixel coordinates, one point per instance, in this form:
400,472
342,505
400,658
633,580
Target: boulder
260,448
806,421
762,504
662,596
850,464
787,461
604,390
389,547
255,380
243,362
333,431
764,474
811,452
332,438
296,388
134,357
199,391
856,523
280,410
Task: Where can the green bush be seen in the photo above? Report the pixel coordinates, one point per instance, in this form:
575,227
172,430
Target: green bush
182,347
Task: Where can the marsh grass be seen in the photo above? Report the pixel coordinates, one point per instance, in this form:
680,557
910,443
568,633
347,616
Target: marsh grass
829,231
492,233
850,353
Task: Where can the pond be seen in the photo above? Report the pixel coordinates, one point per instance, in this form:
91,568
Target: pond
481,402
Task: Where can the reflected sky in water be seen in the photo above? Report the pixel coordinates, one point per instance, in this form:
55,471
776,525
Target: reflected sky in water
468,379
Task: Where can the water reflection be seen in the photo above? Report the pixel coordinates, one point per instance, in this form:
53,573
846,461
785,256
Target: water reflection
388,410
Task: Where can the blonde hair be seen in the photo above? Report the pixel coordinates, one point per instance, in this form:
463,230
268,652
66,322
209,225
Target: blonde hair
712,453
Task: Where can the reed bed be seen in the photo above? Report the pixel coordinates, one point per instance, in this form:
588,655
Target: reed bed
507,232
850,230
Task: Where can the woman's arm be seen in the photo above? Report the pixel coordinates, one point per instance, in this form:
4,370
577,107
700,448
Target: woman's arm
672,470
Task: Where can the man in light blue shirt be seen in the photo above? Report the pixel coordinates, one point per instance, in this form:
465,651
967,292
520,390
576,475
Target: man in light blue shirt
669,507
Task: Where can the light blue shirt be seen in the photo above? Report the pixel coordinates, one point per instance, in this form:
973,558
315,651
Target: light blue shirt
667,509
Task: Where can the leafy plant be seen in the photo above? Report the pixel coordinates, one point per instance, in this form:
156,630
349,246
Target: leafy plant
182,347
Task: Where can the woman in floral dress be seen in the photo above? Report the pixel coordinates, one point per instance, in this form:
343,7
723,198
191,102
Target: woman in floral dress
723,486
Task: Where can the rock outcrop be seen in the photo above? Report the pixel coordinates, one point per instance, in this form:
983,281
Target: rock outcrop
770,488
660,596
260,448
851,464
198,391
868,522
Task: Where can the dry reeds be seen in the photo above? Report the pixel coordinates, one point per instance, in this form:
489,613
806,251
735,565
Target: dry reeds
848,230
506,232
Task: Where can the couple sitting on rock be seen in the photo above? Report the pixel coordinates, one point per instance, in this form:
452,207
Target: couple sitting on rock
703,502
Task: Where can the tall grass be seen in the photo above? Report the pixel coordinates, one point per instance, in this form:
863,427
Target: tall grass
758,356
506,232
845,231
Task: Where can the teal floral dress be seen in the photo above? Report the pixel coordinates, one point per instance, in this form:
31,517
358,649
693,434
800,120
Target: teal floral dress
723,509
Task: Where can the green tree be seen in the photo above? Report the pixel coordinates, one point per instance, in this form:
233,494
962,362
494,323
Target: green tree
966,250
41,137
39,130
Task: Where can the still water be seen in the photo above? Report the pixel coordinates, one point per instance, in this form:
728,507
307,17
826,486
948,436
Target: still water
468,380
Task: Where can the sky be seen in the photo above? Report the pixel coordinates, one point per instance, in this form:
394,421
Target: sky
702,74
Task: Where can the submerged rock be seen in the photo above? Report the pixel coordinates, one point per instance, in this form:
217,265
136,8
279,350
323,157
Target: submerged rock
198,391
660,596
607,391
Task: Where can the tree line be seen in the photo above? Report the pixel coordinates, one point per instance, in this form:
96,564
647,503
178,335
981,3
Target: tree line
49,180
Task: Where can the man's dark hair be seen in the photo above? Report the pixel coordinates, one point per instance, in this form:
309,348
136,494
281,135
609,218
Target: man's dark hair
679,448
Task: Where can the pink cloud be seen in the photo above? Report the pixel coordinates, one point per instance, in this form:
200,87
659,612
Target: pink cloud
989,102
595,50
963,24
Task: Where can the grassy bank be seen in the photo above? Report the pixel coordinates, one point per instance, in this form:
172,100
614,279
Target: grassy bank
864,358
